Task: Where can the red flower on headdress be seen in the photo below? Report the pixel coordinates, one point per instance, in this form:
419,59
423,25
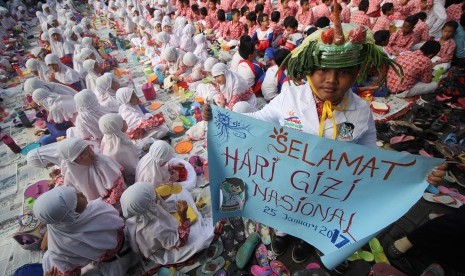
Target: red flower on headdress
357,35
327,36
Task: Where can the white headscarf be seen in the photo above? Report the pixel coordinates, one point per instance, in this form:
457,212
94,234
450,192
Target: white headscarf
43,156
187,43
133,115
89,115
209,63
150,167
105,94
95,180
164,39
87,42
59,48
76,239
61,108
189,59
34,83
151,227
234,85
200,50
66,75
35,65
91,76
116,144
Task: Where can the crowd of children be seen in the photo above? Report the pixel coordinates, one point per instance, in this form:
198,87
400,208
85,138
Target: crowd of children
108,211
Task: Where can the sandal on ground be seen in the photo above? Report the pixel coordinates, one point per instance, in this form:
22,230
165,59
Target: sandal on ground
443,199
378,251
433,270
393,252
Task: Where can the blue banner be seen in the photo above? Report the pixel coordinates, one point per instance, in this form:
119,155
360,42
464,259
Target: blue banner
334,195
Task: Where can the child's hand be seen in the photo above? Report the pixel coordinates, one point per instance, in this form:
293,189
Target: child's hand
436,175
207,112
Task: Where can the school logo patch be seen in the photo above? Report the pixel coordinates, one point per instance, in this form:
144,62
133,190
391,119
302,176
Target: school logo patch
293,121
346,131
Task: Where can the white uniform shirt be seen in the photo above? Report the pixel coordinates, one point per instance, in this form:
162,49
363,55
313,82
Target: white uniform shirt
243,69
295,107
236,58
270,83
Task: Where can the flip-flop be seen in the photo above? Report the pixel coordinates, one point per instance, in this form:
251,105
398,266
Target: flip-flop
210,267
362,255
383,269
279,268
312,266
443,199
264,232
378,251
212,252
260,271
451,139
261,254
239,230
434,269
432,189
452,192
246,250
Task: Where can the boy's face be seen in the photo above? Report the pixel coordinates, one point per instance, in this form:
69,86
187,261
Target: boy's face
407,28
327,3
332,84
447,32
211,5
235,190
235,16
285,3
305,6
265,22
390,12
290,30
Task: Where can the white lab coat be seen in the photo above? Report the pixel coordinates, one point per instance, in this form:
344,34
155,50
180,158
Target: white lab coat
295,107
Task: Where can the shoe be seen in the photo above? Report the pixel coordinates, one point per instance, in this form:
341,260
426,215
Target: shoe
246,250
301,251
280,244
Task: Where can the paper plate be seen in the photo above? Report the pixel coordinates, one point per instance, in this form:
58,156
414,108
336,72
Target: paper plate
154,106
178,130
29,147
184,147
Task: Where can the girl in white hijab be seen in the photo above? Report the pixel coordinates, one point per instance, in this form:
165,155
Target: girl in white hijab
89,114
208,91
129,109
192,72
95,175
44,156
93,70
155,233
200,50
38,69
106,87
117,145
163,40
62,73
232,88
87,42
173,58
60,108
80,232
187,43
34,83
60,47
153,167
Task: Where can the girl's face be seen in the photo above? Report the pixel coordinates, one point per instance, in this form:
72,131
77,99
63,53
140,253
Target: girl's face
134,99
54,68
92,56
125,127
332,84
87,157
167,29
97,69
35,73
158,27
56,37
81,203
74,37
115,85
221,79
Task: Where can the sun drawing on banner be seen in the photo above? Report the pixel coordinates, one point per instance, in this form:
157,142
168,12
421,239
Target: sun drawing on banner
226,126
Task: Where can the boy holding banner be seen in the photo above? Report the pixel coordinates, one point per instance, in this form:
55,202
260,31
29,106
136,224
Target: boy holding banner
331,60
